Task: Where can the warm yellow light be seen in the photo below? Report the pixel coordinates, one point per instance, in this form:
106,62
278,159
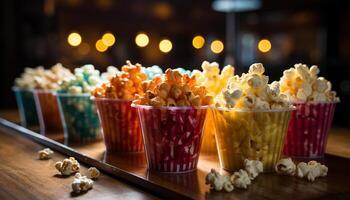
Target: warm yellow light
141,40
217,46
108,39
165,46
198,42
74,39
264,45
100,46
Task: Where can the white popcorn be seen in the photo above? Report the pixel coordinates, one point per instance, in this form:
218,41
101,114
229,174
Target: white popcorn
68,166
256,68
311,170
253,168
285,166
218,182
81,183
240,179
75,89
93,173
320,85
45,154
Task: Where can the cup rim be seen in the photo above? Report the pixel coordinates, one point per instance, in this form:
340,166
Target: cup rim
169,107
16,88
242,110
44,90
316,102
108,99
65,94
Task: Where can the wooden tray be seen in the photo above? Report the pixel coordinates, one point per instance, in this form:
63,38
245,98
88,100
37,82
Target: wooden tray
132,169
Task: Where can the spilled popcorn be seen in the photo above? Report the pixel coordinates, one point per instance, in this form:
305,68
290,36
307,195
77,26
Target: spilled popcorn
93,173
285,166
302,83
68,166
45,154
251,91
81,183
173,89
239,179
124,85
309,171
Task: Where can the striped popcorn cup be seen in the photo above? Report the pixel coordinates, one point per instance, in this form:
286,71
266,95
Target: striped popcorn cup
308,129
26,107
48,111
120,125
79,117
172,136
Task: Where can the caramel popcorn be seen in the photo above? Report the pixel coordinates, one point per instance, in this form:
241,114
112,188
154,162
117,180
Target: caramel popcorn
81,183
251,91
240,179
253,168
218,182
173,89
68,166
124,85
302,83
45,154
93,173
285,166
311,170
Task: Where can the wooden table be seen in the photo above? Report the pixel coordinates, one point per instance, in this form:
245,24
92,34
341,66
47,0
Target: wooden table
266,186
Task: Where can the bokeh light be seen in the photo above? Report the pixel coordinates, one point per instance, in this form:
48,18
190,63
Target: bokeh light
74,39
100,46
165,46
198,41
108,39
141,40
217,46
264,45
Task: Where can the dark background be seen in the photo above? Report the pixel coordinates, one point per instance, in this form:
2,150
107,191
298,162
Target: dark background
34,32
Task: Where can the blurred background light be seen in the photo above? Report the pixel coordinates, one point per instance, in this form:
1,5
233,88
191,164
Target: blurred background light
74,39
165,46
108,39
217,46
141,40
264,45
84,48
198,41
100,46
236,5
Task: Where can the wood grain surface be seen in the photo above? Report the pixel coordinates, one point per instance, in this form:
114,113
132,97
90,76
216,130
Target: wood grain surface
25,177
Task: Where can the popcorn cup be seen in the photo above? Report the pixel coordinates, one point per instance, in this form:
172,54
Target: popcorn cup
79,118
254,135
209,143
172,136
48,111
26,107
120,125
308,129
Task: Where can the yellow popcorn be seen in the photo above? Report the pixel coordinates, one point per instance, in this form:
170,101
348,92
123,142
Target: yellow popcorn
302,83
81,183
93,173
68,166
45,154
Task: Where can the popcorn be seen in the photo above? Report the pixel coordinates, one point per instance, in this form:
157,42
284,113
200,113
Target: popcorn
110,73
253,168
173,89
85,79
218,182
124,85
303,84
211,77
52,78
27,79
68,166
285,166
93,173
240,179
45,154
152,71
251,91
311,170
81,183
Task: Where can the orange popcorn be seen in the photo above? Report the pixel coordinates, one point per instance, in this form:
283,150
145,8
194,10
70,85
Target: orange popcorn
124,85
173,89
